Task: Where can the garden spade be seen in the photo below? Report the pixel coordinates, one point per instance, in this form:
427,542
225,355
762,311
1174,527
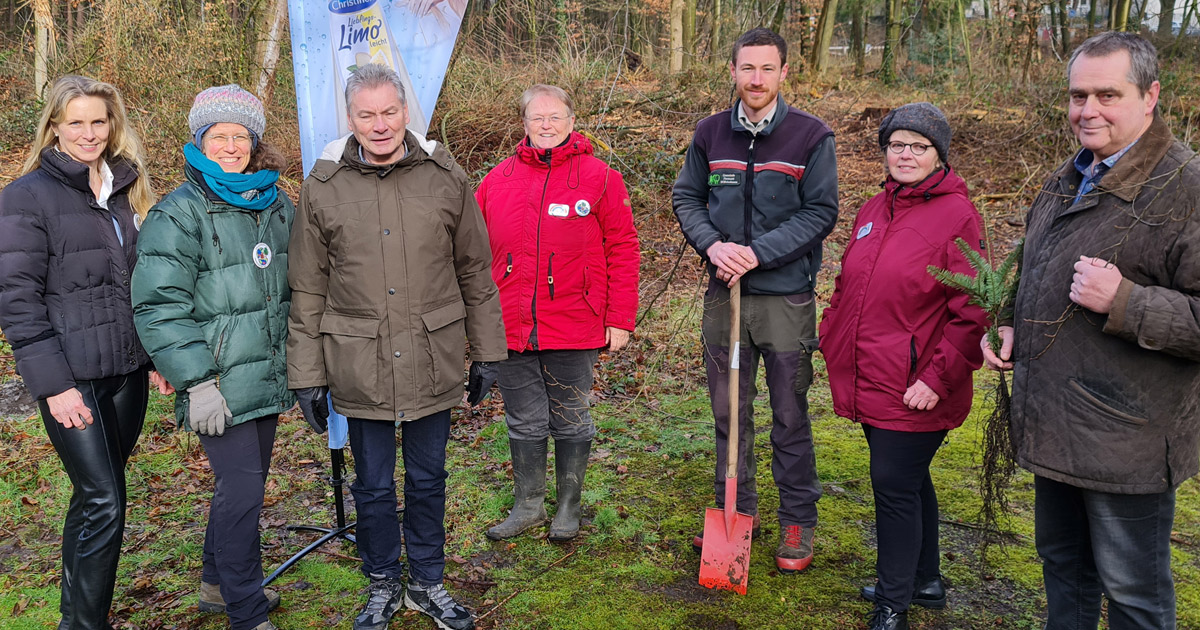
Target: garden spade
725,556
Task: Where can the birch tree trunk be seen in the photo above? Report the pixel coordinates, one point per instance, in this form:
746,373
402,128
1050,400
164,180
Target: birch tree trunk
689,32
268,49
676,59
43,38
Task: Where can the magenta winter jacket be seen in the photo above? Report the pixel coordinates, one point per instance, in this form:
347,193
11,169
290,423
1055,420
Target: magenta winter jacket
890,322
565,253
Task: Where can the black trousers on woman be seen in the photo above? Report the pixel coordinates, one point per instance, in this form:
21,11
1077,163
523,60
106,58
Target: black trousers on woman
94,458
240,460
906,512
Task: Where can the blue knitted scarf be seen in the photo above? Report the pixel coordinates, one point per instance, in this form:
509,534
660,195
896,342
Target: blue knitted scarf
230,186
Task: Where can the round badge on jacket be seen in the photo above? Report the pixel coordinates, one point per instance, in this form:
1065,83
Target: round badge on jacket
583,208
262,255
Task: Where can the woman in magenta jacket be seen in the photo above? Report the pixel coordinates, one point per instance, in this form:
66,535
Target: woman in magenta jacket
565,256
900,348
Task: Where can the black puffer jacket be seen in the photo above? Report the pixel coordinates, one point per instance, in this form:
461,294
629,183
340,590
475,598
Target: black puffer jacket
64,276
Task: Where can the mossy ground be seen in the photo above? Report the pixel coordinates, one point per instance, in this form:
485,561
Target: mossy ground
633,567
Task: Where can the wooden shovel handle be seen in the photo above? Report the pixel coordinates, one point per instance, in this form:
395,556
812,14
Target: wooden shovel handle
735,339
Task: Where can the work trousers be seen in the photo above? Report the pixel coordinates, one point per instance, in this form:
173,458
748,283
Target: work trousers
423,447
906,512
1094,543
94,458
240,460
547,393
782,331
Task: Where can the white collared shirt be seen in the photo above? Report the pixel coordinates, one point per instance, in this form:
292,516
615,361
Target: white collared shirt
753,127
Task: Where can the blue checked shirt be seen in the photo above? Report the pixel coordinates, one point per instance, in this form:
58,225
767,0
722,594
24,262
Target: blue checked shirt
1092,174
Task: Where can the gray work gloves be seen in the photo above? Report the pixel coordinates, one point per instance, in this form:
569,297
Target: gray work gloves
480,378
207,412
315,408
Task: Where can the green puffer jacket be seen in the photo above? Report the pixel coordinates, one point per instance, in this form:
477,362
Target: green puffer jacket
205,308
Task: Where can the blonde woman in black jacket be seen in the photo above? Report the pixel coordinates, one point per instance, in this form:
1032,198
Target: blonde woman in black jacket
68,231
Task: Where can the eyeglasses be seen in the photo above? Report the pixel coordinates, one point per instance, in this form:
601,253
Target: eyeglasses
554,120
918,148
221,141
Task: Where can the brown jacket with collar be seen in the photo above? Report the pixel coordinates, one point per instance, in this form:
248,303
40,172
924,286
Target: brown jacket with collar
390,270
1112,402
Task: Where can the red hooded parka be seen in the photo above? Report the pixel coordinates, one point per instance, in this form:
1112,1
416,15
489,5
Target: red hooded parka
565,253
890,322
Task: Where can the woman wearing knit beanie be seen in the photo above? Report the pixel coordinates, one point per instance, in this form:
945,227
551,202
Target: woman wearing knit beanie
900,348
211,303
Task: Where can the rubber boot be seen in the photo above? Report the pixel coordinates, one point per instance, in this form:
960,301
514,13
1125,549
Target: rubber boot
529,489
570,464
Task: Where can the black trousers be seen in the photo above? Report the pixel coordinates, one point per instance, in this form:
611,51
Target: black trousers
240,460
94,458
906,512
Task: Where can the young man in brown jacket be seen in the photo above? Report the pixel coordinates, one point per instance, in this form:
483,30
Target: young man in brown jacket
1105,346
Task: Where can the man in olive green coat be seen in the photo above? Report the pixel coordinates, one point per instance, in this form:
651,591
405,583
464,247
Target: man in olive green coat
390,270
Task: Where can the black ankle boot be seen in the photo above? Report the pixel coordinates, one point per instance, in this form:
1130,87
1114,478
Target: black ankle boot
884,618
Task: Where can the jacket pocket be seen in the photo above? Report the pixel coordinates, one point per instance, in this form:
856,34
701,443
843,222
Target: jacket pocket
445,331
1105,406
352,361
912,361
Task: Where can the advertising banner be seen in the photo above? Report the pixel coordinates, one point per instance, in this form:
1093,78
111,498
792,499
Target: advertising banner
331,38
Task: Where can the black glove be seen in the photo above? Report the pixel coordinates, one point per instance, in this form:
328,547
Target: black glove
315,408
480,379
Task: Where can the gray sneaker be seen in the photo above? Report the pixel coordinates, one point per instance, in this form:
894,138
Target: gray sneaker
433,600
384,596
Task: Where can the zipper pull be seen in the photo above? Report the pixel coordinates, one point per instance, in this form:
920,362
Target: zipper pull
508,269
550,274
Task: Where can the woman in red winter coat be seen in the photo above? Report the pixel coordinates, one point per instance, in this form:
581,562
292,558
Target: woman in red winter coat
901,348
565,257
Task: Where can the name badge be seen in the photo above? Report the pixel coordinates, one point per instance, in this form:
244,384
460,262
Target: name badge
864,230
725,179
559,210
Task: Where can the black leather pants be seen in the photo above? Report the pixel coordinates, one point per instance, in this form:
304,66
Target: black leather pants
94,458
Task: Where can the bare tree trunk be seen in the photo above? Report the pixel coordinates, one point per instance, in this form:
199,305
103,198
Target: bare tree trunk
560,25
961,9
689,32
268,49
70,11
43,39
714,46
891,44
1064,29
1091,18
1166,13
676,59
1119,19
780,13
858,36
820,52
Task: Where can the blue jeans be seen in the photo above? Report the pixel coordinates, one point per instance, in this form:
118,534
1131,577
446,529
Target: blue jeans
423,447
1095,542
